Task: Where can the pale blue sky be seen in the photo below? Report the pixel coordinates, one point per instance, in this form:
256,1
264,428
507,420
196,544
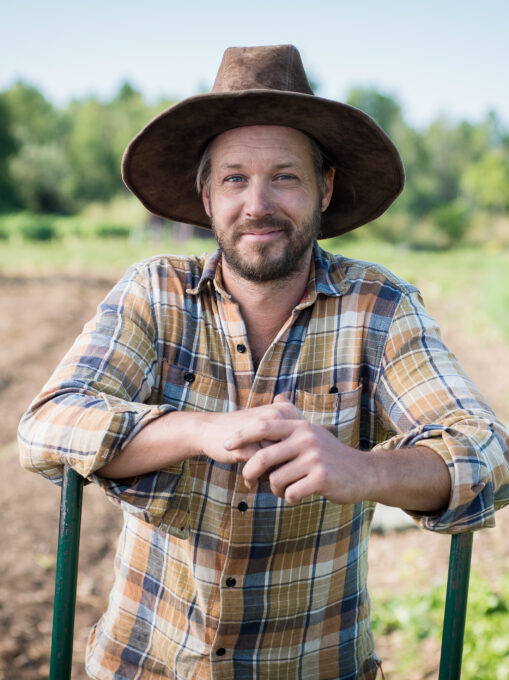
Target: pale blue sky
436,56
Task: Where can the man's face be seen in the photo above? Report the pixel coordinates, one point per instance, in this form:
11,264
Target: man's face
264,200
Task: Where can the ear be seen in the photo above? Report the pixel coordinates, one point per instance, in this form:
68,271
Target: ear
205,197
329,188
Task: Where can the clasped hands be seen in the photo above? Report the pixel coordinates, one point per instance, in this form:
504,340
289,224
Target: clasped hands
299,458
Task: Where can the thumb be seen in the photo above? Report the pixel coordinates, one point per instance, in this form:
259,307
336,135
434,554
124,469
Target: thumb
281,399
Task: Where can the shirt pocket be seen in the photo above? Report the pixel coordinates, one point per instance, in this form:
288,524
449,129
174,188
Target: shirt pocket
339,413
189,390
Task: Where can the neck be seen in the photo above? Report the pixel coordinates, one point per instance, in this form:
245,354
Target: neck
265,306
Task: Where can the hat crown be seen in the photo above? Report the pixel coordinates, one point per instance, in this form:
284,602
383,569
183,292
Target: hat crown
274,67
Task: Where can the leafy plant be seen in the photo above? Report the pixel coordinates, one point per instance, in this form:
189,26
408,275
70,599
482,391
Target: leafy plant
38,231
452,221
112,230
417,617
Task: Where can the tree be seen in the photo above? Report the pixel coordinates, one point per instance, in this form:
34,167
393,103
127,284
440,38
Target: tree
384,108
486,182
8,147
39,169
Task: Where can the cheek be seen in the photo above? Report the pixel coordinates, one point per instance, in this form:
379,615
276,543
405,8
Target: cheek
224,209
300,207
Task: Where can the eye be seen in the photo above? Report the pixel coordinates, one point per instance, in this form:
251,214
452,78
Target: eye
285,177
233,179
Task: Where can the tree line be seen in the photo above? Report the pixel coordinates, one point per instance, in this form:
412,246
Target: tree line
57,160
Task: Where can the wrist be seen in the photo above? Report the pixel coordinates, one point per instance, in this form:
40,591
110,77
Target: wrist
189,431
375,479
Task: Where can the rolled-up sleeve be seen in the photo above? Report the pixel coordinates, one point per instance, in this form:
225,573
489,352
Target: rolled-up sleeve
100,396
425,398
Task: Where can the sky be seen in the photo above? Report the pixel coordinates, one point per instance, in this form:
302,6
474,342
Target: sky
437,57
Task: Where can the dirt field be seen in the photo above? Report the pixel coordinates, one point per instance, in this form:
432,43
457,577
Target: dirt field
39,318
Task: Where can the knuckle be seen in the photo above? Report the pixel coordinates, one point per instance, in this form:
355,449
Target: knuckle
307,434
321,475
265,428
262,458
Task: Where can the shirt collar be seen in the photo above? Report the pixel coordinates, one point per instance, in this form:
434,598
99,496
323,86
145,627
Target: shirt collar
212,272
326,276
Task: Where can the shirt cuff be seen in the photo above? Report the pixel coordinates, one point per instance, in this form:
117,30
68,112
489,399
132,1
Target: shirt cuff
471,503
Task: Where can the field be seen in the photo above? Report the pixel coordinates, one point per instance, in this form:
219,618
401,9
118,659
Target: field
48,292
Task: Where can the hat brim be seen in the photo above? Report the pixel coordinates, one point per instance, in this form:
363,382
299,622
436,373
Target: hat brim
159,165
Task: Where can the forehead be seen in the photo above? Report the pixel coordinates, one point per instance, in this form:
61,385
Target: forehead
263,140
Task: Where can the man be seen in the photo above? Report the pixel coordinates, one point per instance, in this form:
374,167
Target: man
248,410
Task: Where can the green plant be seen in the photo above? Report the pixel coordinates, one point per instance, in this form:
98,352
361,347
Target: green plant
416,617
38,231
106,230
452,221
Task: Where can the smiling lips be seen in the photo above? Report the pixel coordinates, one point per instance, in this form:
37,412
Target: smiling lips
263,236
265,230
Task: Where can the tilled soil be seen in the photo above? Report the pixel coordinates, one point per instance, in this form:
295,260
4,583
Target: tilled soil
39,318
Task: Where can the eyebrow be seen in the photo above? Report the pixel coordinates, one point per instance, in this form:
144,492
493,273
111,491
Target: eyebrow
277,166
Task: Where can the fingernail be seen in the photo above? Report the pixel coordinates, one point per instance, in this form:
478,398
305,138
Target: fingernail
227,444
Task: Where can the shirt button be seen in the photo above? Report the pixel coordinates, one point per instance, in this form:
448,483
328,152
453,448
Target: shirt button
333,390
189,377
241,348
230,582
242,506
221,651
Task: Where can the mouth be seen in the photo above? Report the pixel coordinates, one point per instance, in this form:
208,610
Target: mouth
263,231
262,235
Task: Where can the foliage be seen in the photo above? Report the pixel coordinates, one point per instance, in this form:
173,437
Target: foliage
487,180
112,230
384,108
8,147
56,161
37,229
418,616
452,220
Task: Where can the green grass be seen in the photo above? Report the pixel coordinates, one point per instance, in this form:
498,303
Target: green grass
92,255
415,617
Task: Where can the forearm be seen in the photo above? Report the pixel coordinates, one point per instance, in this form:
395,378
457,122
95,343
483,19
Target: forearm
414,478
164,442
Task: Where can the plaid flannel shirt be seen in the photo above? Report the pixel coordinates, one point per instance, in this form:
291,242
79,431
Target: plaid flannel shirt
217,581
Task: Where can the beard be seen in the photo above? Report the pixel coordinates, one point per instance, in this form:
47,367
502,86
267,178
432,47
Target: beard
264,264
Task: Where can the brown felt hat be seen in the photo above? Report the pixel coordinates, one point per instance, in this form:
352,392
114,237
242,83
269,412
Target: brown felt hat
263,86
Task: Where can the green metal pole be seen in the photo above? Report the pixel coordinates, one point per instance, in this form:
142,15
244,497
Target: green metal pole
66,576
455,607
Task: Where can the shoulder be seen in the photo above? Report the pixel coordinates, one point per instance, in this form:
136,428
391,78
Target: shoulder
363,276
169,272
173,264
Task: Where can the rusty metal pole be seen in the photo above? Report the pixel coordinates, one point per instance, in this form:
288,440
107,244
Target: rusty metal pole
66,576
455,606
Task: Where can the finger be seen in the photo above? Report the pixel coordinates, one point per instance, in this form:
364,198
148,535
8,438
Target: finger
284,475
266,459
281,399
299,490
242,454
257,432
286,407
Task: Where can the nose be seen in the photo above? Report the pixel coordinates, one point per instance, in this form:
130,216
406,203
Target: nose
258,200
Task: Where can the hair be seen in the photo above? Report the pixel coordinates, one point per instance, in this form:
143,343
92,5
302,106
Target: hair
321,161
